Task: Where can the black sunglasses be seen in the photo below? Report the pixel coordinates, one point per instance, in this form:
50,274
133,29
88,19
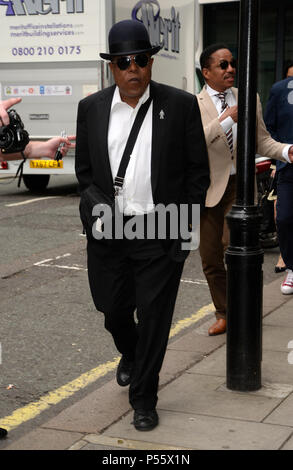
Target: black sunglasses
124,62
224,64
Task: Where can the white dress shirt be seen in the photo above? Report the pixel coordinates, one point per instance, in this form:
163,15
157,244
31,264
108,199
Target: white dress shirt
137,190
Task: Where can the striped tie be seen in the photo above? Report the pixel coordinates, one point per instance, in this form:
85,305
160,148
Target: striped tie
229,133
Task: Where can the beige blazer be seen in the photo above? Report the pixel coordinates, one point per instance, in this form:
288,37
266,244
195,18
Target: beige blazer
220,158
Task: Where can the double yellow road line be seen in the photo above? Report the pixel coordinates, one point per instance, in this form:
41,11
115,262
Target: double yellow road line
32,410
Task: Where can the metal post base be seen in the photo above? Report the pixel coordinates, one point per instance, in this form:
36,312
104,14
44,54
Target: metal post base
244,259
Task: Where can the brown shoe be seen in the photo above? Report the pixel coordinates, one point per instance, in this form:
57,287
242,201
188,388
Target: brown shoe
218,328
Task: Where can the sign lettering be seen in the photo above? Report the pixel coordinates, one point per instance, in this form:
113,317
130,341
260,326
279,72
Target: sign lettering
40,7
160,29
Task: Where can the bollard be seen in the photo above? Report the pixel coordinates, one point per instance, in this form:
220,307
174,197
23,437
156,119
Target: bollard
244,257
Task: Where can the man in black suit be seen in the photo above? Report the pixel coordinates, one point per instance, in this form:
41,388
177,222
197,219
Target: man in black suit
168,165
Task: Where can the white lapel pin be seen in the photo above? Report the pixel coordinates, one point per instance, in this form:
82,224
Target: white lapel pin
162,114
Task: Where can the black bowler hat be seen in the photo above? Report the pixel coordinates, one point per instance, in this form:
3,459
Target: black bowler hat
129,37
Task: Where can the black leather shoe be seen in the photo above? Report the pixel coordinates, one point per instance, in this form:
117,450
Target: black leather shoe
280,269
124,370
145,420
3,433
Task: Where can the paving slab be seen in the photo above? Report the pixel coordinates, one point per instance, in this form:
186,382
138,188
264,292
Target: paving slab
192,393
215,364
175,364
197,432
83,445
282,316
283,414
276,338
289,444
93,413
95,441
276,368
198,341
273,297
45,439
272,390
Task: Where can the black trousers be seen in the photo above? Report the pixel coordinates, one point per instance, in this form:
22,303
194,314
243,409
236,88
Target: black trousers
128,276
285,213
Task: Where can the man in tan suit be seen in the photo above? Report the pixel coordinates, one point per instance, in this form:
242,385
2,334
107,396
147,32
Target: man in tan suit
218,106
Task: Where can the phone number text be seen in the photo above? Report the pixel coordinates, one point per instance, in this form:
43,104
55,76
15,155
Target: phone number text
46,51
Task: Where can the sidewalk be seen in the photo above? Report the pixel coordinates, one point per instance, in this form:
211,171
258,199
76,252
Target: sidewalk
196,409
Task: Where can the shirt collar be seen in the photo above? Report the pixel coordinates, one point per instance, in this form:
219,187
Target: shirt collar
117,98
213,92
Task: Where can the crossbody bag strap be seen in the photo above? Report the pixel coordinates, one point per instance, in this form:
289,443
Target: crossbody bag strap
119,180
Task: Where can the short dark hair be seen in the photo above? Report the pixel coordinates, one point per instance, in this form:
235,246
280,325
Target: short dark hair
288,65
207,52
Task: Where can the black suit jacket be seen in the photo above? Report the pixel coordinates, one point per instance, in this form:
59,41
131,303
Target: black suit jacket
179,161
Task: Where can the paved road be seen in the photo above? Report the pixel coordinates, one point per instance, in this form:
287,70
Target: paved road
50,333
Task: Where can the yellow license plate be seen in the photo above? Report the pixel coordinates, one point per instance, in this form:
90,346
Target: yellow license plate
46,164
